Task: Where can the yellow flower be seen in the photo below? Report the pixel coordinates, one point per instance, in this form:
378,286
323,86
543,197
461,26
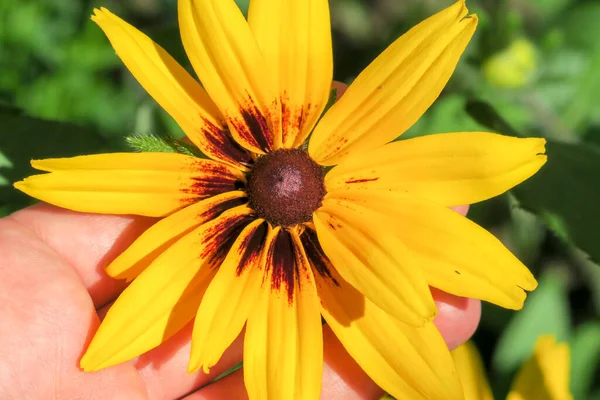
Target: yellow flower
513,67
545,376
258,235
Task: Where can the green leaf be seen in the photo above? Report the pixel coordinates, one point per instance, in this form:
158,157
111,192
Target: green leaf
145,117
24,138
546,311
445,115
585,357
168,37
527,234
580,25
549,9
161,144
243,5
485,115
230,371
584,100
565,193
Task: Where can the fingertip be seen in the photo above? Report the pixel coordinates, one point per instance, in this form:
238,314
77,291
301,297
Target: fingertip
343,378
458,317
340,87
462,210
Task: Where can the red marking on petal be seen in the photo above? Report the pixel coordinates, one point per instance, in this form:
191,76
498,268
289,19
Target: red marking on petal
220,141
281,260
213,178
316,256
292,118
362,180
252,247
255,126
337,148
218,209
221,236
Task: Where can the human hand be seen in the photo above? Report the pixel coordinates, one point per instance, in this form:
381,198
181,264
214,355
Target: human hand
53,293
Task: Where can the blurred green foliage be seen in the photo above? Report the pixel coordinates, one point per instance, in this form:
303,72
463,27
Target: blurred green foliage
531,70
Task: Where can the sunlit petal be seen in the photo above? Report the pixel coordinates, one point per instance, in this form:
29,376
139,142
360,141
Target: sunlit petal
545,376
230,298
172,87
283,347
150,184
392,93
407,362
226,57
451,169
471,371
166,296
361,245
295,38
455,254
167,231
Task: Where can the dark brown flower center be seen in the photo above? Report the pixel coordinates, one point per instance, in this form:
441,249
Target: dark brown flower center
285,187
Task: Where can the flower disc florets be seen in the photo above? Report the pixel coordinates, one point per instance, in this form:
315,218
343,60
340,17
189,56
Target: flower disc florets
285,187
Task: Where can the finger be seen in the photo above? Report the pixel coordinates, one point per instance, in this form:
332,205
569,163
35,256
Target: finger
462,210
86,242
340,87
458,317
230,387
342,377
164,369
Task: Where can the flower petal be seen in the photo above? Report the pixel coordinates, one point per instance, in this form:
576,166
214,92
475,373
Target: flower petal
150,184
405,361
392,93
451,169
455,254
360,244
172,87
160,236
295,38
226,57
166,296
471,372
229,299
283,347
545,376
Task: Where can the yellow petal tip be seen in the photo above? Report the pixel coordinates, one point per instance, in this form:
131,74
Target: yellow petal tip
192,367
86,365
473,19
100,15
534,283
97,15
20,185
24,187
42,165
